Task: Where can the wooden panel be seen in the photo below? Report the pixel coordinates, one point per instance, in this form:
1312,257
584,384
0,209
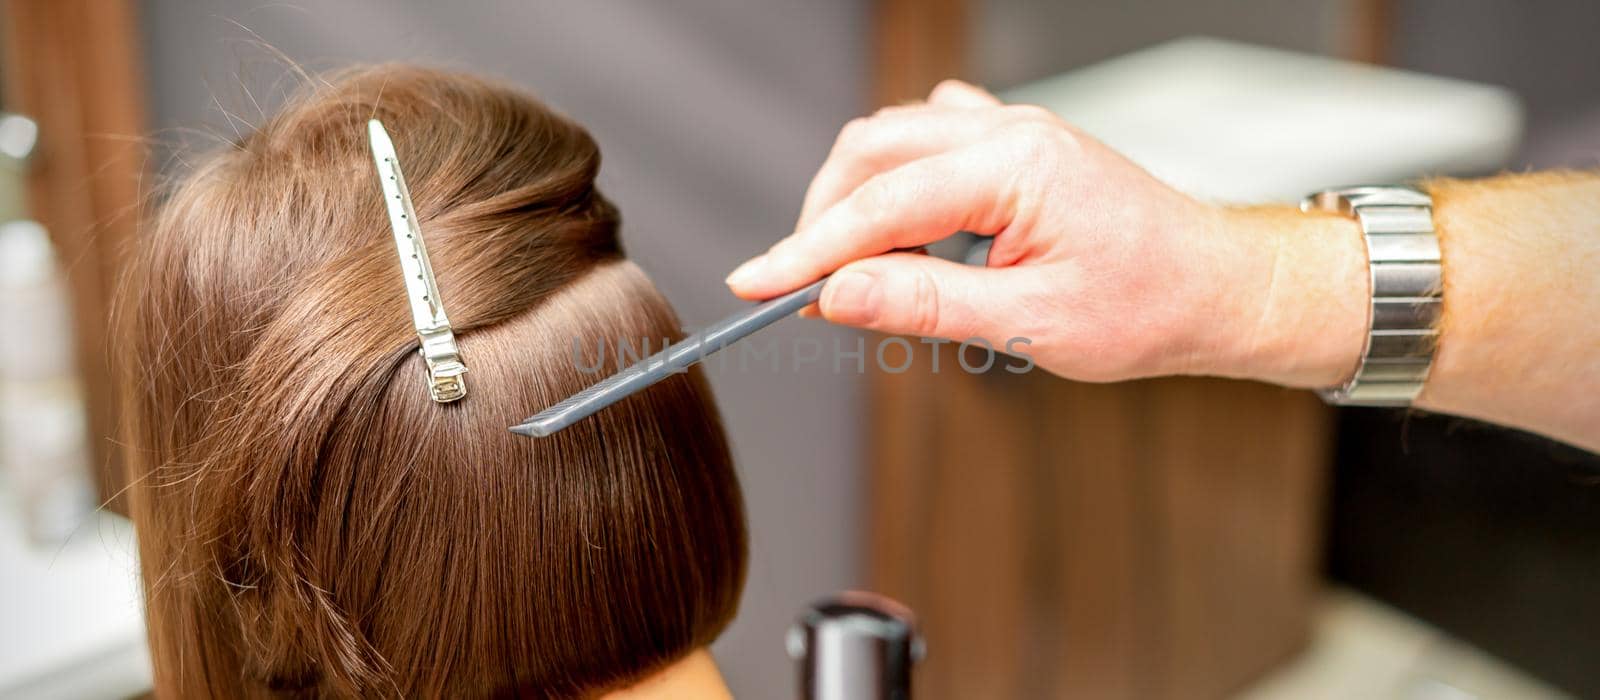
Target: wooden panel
72,66
1369,31
1240,469
916,44
1104,573
1152,539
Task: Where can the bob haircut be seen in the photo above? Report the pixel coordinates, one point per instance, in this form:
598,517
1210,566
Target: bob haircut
310,522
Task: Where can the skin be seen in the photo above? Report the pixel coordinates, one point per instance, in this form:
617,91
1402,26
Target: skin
1113,275
694,677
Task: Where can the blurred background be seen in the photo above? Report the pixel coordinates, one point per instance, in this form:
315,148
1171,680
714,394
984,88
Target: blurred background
1183,538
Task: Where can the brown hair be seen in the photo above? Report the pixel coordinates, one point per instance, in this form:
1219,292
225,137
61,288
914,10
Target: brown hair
310,522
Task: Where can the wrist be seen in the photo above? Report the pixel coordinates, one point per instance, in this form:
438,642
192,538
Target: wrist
1475,278
1298,313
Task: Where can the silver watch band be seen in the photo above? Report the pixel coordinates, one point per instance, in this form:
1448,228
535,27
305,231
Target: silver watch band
1403,255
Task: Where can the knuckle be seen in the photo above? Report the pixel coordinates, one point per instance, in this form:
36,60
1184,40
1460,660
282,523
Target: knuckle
1041,142
891,111
853,134
925,304
948,86
874,199
1035,134
1031,113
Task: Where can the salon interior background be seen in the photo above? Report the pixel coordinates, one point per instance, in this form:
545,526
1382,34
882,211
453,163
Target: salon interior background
712,116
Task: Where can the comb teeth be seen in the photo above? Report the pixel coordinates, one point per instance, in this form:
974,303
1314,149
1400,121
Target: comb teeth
570,410
589,392
578,398
672,360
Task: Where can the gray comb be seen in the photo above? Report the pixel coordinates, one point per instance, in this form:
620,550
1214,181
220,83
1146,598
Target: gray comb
673,360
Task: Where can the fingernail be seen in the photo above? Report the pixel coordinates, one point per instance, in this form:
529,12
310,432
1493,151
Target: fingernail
853,298
748,272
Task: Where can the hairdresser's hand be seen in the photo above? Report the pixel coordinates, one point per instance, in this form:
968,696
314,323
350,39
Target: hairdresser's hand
1108,272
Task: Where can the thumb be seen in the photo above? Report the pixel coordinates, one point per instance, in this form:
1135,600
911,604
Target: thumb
911,294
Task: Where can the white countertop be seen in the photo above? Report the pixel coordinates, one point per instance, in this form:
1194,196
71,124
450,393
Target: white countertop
1238,123
1361,648
71,616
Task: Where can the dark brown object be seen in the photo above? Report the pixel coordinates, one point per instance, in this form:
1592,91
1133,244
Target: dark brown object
310,522
1487,533
73,66
1370,31
916,44
1152,539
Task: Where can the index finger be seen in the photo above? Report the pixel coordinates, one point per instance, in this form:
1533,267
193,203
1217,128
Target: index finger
927,200
885,141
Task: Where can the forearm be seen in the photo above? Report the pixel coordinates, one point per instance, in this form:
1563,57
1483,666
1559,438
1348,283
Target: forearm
1519,340
1519,343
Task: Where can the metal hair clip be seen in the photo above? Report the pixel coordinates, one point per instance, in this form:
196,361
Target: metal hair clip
427,311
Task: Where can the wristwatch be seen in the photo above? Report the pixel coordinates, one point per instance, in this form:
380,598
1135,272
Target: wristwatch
1403,255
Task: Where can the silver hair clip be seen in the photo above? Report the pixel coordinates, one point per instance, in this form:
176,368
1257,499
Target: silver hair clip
427,311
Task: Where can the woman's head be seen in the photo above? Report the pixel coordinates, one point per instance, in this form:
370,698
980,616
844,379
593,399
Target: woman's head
309,520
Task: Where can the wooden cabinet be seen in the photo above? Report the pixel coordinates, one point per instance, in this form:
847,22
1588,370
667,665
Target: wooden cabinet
1152,539
72,66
